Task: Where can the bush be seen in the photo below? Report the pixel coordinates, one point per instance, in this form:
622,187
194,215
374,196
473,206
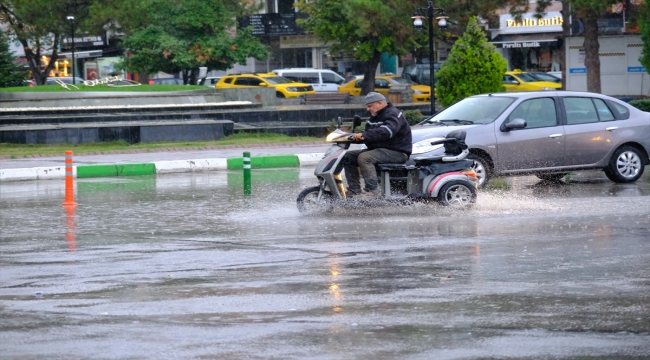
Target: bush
473,67
643,105
413,116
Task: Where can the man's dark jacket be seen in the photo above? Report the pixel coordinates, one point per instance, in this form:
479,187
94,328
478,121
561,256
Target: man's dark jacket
389,130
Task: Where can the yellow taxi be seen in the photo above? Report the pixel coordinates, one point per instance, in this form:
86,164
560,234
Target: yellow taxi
421,93
284,88
517,80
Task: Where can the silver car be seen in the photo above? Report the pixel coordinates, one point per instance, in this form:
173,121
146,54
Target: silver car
545,133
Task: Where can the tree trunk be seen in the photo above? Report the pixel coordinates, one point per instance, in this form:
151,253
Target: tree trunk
34,60
369,70
566,32
592,56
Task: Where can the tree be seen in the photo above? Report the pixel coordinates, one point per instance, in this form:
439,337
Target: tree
183,36
473,67
10,74
363,28
644,24
39,25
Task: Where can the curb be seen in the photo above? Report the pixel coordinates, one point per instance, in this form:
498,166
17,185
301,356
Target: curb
159,167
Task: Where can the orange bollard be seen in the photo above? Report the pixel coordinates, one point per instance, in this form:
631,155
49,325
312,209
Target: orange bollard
69,184
70,227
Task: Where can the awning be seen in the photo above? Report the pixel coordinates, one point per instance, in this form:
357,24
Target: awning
521,43
81,54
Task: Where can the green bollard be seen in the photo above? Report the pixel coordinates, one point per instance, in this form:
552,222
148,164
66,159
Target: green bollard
247,173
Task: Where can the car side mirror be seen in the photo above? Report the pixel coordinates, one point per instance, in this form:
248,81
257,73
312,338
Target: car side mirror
356,122
262,84
517,123
514,82
339,122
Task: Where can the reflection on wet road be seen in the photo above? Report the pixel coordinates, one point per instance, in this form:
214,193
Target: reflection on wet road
185,266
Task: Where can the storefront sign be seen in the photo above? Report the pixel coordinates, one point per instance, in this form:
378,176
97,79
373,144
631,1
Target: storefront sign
81,54
300,41
520,44
554,21
84,41
636,69
578,71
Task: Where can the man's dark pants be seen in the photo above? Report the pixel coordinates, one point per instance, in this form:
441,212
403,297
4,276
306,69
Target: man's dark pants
365,160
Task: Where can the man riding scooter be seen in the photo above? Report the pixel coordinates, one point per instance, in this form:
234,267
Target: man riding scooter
387,136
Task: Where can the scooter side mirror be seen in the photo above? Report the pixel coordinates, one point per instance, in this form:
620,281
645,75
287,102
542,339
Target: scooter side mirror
339,122
356,122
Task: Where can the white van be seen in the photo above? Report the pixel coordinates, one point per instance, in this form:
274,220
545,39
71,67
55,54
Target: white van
322,80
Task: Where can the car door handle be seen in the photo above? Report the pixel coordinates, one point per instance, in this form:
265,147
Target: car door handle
553,136
611,128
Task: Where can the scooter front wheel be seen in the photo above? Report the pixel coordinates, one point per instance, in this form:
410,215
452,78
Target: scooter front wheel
309,204
457,194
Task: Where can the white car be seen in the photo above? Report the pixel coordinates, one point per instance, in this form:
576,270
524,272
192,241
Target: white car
210,81
322,80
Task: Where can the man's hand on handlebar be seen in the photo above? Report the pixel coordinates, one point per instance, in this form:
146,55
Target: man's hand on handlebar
357,137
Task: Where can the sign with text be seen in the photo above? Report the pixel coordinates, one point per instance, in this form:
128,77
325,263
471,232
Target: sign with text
272,24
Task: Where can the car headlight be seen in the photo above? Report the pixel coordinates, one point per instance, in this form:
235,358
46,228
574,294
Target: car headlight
292,89
417,91
425,146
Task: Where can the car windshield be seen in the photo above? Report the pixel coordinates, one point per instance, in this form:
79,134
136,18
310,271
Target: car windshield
400,80
526,77
472,110
277,80
545,77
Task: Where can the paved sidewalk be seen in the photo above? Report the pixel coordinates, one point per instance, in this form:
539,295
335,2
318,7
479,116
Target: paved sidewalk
162,160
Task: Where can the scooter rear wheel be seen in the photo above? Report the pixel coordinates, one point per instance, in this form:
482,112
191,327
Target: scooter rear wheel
457,194
309,204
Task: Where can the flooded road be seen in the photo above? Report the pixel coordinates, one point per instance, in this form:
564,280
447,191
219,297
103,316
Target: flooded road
185,266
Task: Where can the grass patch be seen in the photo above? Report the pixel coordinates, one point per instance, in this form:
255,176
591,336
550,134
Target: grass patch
105,88
497,184
241,138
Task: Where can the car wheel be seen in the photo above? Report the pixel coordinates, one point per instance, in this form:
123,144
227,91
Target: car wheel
309,203
626,165
279,95
482,169
551,177
457,194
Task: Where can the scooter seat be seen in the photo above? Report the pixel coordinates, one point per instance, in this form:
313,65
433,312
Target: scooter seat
391,167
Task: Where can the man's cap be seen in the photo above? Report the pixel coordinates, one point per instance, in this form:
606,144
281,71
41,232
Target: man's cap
374,97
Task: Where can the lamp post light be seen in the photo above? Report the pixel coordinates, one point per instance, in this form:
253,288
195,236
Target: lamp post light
431,13
71,19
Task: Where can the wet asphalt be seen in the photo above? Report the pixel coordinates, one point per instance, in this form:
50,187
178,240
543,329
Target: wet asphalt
186,266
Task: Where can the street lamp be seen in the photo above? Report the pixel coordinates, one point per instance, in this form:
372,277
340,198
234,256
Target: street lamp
431,13
71,19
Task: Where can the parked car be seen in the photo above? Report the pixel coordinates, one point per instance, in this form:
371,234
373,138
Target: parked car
421,93
517,80
545,133
210,81
322,80
419,73
284,88
542,76
166,81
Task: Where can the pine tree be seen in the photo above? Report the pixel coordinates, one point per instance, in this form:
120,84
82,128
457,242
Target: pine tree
10,74
473,67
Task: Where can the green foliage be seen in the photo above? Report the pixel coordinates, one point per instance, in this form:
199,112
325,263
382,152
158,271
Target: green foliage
413,116
186,35
643,104
644,24
10,74
473,67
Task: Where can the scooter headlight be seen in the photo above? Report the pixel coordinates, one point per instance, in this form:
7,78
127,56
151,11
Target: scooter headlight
423,146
